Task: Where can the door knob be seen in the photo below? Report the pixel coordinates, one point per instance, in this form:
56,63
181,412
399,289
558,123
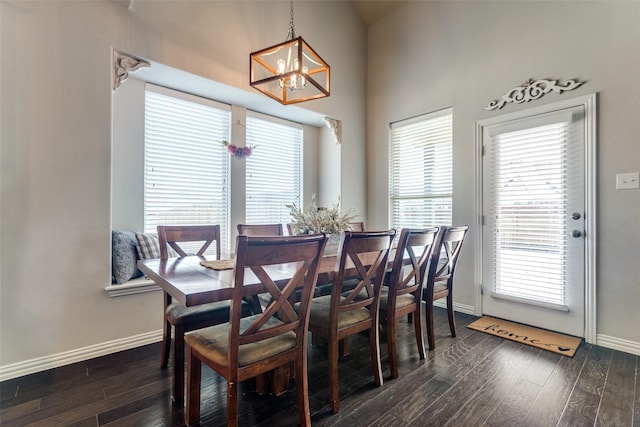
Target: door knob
576,233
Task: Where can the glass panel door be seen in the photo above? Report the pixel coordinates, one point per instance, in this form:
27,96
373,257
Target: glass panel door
533,209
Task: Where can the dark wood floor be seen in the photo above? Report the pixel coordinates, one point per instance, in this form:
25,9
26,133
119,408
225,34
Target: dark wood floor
474,379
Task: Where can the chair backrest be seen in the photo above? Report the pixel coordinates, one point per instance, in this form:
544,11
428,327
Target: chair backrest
441,270
357,226
367,253
173,235
264,257
260,229
416,246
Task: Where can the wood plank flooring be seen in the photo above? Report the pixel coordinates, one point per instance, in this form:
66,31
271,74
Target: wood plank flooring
472,380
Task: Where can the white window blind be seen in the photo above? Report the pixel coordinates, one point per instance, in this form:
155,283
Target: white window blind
274,170
529,198
420,177
186,169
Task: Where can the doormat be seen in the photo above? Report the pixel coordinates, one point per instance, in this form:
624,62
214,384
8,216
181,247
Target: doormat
540,338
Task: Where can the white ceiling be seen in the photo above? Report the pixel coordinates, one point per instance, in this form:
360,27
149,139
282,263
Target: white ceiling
372,10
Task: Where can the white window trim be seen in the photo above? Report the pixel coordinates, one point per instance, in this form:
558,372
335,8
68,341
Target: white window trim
139,285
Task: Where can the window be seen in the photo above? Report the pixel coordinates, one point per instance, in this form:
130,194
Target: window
274,170
169,167
186,169
421,171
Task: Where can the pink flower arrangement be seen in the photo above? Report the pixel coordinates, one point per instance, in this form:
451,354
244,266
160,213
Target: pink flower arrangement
238,152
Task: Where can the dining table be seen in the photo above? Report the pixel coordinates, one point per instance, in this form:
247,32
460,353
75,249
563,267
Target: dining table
189,281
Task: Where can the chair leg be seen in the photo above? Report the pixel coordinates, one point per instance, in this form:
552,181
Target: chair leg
166,345
344,347
232,403
316,340
334,387
374,346
429,319
262,383
254,304
280,380
450,314
194,372
302,390
391,322
178,364
418,329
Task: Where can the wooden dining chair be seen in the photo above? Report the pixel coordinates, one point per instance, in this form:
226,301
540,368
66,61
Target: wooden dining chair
403,295
177,316
260,229
247,347
339,315
357,226
439,283
290,229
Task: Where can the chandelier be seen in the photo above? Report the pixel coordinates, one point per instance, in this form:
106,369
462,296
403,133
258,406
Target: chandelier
291,71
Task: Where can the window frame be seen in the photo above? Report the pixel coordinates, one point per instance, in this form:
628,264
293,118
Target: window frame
127,158
211,187
431,127
263,147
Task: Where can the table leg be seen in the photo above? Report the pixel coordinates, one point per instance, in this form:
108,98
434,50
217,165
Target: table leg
178,365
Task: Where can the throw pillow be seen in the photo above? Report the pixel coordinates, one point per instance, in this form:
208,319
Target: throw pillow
123,256
147,245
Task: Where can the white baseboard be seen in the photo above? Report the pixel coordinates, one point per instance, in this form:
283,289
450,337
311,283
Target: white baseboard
462,308
66,358
618,344
606,341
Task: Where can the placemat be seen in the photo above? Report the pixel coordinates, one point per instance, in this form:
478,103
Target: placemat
219,264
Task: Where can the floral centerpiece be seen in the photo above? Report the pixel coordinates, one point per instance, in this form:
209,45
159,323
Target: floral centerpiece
313,219
238,152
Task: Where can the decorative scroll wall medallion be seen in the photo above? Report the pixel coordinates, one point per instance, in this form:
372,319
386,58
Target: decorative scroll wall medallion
530,90
123,65
336,128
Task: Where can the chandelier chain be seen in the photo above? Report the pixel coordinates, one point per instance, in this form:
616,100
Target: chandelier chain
292,30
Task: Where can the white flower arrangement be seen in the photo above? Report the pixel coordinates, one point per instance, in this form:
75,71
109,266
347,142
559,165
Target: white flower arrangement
313,219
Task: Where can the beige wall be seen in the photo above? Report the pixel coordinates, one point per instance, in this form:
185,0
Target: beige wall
463,54
55,130
56,148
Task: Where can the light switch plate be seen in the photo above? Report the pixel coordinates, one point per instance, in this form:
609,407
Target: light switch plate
627,181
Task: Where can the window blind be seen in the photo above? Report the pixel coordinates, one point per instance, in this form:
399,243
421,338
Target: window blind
186,169
274,170
529,198
421,177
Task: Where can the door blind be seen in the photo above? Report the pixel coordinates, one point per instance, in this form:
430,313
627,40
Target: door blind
420,174
529,209
186,168
274,170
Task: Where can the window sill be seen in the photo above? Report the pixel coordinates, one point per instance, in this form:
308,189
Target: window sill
134,286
